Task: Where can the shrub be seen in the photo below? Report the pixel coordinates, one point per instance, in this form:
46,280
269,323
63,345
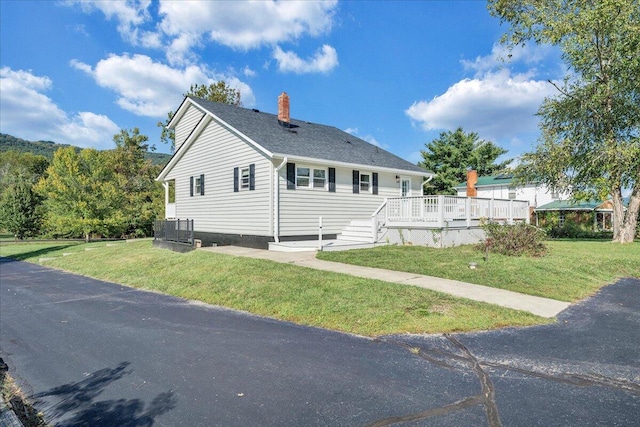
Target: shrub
573,231
513,240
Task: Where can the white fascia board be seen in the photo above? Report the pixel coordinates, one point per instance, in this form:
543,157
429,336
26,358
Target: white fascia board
352,165
202,124
184,106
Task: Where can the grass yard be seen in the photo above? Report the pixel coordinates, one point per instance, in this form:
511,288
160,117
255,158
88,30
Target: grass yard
282,291
571,271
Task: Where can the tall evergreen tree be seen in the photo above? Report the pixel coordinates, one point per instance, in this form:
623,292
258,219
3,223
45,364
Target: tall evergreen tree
20,208
453,153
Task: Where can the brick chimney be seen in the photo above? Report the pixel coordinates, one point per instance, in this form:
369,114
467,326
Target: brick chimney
283,108
472,179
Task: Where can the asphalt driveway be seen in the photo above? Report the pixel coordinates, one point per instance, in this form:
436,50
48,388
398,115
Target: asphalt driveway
101,354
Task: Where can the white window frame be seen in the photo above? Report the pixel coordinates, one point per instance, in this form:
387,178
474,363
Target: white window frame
369,188
244,179
311,179
324,179
197,186
512,193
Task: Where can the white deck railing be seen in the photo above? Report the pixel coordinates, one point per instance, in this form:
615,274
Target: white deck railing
446,211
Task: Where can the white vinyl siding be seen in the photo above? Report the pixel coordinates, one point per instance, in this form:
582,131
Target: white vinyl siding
216,153
300,209
186,124
535,195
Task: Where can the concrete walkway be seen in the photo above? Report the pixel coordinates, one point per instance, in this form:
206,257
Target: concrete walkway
544,307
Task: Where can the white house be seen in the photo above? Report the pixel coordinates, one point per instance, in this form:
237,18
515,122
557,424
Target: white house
248,177
502,186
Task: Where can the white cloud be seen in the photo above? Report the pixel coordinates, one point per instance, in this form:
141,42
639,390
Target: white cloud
323,61
499,105
182,26
369,138
26,112
501,99
248,72
129,14
152,89
246,25
501,57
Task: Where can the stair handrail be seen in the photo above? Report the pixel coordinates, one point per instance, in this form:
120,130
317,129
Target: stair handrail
374,221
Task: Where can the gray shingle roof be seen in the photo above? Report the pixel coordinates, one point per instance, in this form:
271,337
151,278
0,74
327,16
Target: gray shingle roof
304,139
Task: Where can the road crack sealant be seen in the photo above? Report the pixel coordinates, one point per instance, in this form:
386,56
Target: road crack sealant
453,361
463,359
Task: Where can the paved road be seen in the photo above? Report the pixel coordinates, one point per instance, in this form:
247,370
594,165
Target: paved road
100,354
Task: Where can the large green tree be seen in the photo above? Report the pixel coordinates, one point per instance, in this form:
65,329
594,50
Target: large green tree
142,197
453,153
590,132
80,193
217,92
20,208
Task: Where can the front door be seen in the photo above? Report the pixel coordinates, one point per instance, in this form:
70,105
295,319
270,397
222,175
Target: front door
405,191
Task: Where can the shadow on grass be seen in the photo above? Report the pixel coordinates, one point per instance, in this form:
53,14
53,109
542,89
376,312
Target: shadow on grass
76,404
36,253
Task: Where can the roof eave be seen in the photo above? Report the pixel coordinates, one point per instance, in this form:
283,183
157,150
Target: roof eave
371,168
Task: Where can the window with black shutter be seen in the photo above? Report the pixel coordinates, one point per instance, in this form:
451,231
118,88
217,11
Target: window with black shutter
374,177
332,180
356,181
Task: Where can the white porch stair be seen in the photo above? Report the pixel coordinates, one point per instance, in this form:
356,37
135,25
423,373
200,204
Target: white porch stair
357,235
358,232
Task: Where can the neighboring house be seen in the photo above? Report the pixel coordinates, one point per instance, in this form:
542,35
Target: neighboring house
591,215
502,187
551,210
249,178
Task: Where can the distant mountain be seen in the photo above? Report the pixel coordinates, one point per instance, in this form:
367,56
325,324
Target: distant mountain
47,148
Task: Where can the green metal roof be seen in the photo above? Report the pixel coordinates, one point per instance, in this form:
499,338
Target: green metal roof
571,205
501,179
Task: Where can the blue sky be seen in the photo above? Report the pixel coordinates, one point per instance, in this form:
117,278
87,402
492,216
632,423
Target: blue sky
396,74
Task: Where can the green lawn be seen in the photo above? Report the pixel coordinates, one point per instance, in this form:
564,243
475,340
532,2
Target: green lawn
282,291
571,271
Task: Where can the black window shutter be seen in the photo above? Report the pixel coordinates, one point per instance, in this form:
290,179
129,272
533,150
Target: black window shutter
291,176
252,176
356,181
375,182
235,180
332,180
191,185
202,185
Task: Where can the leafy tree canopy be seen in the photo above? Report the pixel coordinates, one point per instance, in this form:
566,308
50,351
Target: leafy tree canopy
80,193
26,165
217,92
142,197
590,132
453,153
20,207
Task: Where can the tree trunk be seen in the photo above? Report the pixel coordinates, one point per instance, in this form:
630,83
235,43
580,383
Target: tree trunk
87,237
627,229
